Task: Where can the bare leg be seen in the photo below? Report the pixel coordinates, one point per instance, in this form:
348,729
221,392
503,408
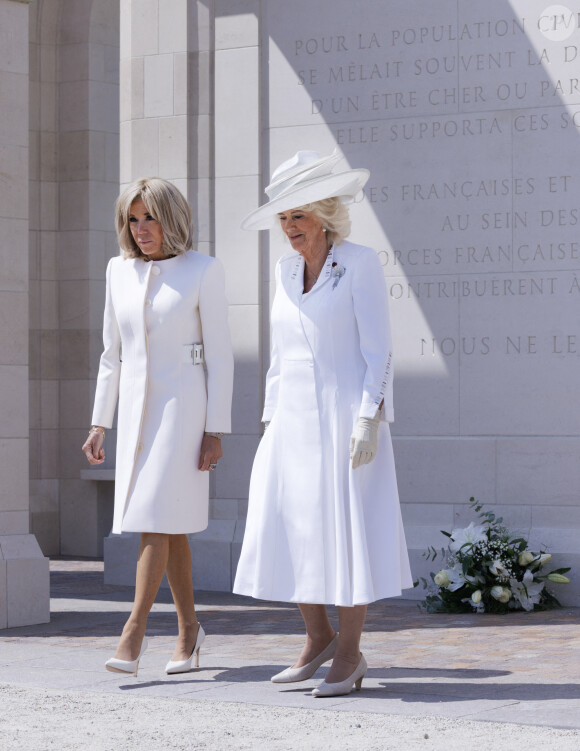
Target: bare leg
180,581
347,655
151,565
319,632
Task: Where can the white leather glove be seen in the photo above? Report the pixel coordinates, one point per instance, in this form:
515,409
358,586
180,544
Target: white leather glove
363,441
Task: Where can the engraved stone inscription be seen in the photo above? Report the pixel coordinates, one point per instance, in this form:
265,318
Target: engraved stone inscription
468,117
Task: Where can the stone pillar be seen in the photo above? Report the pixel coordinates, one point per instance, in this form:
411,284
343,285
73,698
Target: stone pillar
24,574
238,186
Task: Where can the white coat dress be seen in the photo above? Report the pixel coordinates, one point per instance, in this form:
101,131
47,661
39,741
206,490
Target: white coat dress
154,312
318,531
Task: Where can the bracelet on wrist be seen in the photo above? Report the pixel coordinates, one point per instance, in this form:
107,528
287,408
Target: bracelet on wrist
214,435
97,429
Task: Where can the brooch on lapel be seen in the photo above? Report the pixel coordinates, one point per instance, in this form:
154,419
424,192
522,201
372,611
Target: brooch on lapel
337,273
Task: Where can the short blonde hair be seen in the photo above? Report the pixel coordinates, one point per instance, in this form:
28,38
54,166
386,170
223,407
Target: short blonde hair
333,215
166,204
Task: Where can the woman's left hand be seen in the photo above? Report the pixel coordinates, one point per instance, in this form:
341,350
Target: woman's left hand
363,441
211,451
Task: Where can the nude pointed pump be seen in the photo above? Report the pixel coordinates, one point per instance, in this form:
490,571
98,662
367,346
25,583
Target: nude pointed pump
184,666
126,666
344,687
294,675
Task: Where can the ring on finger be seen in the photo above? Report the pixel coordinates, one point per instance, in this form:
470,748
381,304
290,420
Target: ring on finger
213,466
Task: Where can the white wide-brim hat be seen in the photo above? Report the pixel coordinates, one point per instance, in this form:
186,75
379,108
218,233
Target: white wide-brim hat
303,179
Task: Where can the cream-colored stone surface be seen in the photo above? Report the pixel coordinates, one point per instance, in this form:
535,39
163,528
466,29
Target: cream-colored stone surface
13,328
173,146
158,85
244,326
442,470
173,26
236,465
14,37
14,401
27,604
538,470
14,235
15,522
3,603
237,250
234,69
237,23
26,580
79,501
141,21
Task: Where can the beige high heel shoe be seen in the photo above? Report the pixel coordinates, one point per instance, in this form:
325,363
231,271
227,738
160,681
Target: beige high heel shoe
344,687
184,666
294,675
126,666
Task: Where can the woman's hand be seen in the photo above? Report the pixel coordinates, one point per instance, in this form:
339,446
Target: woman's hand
93,447
211,451
364,440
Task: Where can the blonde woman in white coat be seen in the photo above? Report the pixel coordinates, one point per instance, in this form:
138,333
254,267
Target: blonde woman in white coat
324,524
165,315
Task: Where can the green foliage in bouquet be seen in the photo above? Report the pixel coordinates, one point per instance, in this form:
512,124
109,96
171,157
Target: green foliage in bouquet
488,571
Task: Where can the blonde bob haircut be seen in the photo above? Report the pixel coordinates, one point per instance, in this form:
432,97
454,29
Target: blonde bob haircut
334,217
166,205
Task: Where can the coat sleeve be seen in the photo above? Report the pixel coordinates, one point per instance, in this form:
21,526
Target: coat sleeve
110,364
217,347
273,375
372,316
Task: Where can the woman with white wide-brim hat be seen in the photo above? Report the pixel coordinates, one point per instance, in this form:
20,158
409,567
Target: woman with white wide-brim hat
324,523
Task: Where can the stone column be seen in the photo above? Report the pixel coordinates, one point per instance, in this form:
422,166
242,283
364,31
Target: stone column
238,187
24,573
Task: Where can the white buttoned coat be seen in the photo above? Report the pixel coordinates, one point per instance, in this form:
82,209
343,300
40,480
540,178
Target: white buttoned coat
154,312
318,531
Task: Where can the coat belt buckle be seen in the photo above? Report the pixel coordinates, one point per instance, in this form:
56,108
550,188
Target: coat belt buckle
198,354
193,353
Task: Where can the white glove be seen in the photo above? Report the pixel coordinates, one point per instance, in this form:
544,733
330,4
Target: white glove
363,441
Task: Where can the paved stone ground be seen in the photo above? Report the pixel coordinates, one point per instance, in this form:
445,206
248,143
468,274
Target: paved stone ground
520,668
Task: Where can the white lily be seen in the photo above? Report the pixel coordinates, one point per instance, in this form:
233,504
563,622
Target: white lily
527,592
471,534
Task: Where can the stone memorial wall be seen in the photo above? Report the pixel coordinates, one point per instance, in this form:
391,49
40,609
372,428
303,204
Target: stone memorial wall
468,117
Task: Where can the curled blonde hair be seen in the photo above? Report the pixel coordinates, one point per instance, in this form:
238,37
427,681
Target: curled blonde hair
166,204
333,215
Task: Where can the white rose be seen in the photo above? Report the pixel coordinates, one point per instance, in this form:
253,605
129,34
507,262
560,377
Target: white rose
501,594
525,558
476,596
442,579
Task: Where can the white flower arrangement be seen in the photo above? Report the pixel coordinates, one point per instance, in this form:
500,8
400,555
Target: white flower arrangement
489,570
